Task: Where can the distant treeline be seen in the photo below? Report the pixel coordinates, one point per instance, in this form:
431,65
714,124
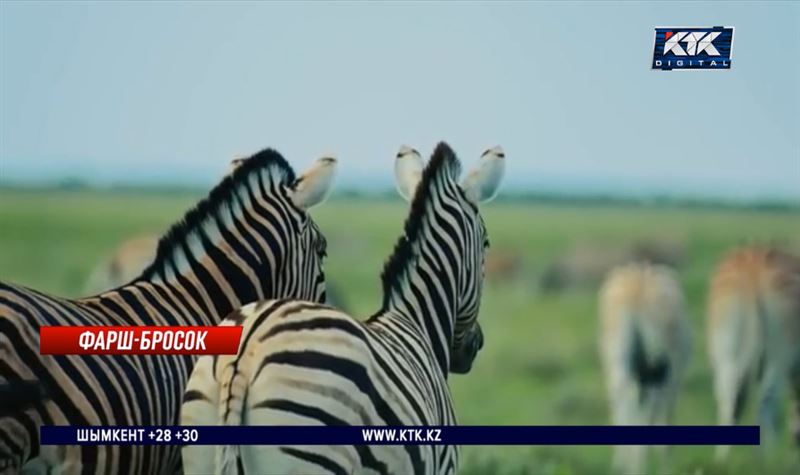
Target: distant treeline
84,187
576,199
508,196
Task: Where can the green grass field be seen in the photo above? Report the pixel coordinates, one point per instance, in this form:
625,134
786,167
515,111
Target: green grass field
539,364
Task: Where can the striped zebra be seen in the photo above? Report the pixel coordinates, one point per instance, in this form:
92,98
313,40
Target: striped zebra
645,343
131,257
301,363
753,334
250,239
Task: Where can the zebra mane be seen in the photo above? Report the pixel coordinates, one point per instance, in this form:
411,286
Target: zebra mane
220,198
443,161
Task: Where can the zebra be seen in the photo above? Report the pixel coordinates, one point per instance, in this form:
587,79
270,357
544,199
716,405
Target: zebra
132,256
645,343
251,238
301,363
753,335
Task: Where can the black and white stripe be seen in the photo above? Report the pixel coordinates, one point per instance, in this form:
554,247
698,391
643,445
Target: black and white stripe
301,363
250,239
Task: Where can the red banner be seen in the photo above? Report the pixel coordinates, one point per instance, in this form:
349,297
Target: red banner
139,340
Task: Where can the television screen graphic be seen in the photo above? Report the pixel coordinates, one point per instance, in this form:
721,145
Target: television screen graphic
399,237
693,48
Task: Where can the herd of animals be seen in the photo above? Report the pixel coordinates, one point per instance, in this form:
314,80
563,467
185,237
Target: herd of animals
249,254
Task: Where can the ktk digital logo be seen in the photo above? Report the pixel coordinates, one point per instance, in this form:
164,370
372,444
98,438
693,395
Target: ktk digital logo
693,48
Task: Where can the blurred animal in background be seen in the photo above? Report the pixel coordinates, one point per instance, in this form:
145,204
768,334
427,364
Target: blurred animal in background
306,364
663,250
503,265
753,332
581,267
585,264
126,263
645,343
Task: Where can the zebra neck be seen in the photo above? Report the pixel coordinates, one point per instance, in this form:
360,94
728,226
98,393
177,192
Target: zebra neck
144,302
427,300
223,264
222,278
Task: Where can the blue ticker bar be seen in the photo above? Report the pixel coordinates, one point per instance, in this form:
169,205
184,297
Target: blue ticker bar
354,435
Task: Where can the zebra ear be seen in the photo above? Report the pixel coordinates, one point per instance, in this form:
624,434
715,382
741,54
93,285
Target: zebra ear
483,182
236,163
408,167
314,186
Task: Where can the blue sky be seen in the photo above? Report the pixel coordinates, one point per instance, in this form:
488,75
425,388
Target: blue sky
168,93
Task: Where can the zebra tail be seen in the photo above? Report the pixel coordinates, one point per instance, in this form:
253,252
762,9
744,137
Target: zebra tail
762,336
650,371
753,335
17,396
233,394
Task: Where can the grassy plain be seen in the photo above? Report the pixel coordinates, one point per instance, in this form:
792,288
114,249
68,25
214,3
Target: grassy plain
539,364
